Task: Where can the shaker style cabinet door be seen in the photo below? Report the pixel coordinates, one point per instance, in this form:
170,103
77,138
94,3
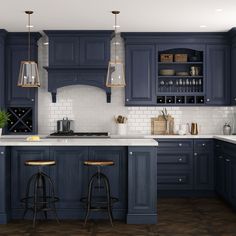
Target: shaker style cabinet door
140,74
142,185
2,72
17,95
218,75
63,51
233,75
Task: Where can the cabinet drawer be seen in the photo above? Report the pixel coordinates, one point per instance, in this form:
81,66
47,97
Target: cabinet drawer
203,145
175,181
180,144
171,161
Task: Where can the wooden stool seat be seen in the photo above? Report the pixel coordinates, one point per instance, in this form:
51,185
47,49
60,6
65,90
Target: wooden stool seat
98,163
40,163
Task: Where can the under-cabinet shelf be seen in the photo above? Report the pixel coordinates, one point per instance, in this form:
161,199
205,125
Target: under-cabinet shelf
181,63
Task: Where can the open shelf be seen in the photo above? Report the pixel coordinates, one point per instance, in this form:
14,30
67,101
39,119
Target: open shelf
181,63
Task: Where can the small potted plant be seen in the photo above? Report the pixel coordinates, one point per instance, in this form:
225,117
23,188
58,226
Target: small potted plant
4,118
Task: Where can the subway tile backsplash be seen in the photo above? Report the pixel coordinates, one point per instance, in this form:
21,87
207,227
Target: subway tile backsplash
87,106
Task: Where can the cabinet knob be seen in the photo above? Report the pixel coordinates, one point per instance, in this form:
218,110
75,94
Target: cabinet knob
195,154
180,144
32,100
220,157
131,153
180,180
203,144
228,160
208,100
234,99
180,159
217,145
2,153
127,99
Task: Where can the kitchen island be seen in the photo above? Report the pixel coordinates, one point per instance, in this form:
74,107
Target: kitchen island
133,178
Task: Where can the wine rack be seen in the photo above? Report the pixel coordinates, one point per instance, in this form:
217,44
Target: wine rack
21,120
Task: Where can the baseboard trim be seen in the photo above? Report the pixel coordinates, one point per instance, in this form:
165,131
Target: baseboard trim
141,219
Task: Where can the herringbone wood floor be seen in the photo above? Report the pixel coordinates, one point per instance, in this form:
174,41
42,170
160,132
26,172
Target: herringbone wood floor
177,217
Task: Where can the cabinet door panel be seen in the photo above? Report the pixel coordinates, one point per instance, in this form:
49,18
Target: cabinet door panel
21,173
2,74
140,74
70,175
94,51
63,51
15,94
117,174
142,169
218,72
203,163
233,75
232,181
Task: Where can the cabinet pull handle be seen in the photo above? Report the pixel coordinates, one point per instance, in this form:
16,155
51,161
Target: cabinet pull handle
195,154
180,159
2,153
180,144
127,99
220,157
228,160
208,100
180,180
131,153
32,100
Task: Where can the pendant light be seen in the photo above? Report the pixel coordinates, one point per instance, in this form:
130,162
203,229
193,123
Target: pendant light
29,75
115,73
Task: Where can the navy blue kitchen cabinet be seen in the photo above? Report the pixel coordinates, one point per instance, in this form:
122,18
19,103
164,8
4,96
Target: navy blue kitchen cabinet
20,174
175,164
184,166
4,185
142,185
2,68
17,51
218,75
233,75
94,51
77,48
203,165
225,171
117,174
140,74
70,178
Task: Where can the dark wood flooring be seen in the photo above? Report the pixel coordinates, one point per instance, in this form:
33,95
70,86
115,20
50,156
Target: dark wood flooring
177,217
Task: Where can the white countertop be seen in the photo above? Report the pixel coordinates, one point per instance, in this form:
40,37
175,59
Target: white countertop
78,142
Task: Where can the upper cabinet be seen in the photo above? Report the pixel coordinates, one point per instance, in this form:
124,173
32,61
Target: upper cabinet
218,75
63,51
78,57
17,51
140,74
232,34
177,69
79,48
2,68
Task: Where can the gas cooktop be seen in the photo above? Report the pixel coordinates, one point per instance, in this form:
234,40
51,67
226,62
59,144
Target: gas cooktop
80,135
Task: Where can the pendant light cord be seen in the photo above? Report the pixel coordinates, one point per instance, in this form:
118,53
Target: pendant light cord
29,37
115,34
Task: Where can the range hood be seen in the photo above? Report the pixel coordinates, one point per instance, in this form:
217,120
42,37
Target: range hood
78,57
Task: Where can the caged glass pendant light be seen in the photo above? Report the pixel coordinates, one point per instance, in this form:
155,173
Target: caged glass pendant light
115,73
29,75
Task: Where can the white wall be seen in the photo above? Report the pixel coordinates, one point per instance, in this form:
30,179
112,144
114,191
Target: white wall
88,108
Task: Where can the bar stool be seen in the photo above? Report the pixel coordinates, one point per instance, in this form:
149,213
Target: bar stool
99,203
37,198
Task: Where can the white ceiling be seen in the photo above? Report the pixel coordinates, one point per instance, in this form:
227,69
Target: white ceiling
136,15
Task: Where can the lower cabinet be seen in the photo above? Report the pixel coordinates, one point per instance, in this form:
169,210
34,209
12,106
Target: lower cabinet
185,165
70,176
225,171
142,185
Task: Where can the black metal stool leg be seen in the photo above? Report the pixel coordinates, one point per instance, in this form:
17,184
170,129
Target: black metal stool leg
44,195
35,210
27,194
53,196
108,193
89,196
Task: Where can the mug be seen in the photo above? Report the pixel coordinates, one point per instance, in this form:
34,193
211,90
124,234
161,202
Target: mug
194,71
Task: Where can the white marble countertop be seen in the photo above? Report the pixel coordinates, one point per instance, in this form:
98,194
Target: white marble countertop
78,142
